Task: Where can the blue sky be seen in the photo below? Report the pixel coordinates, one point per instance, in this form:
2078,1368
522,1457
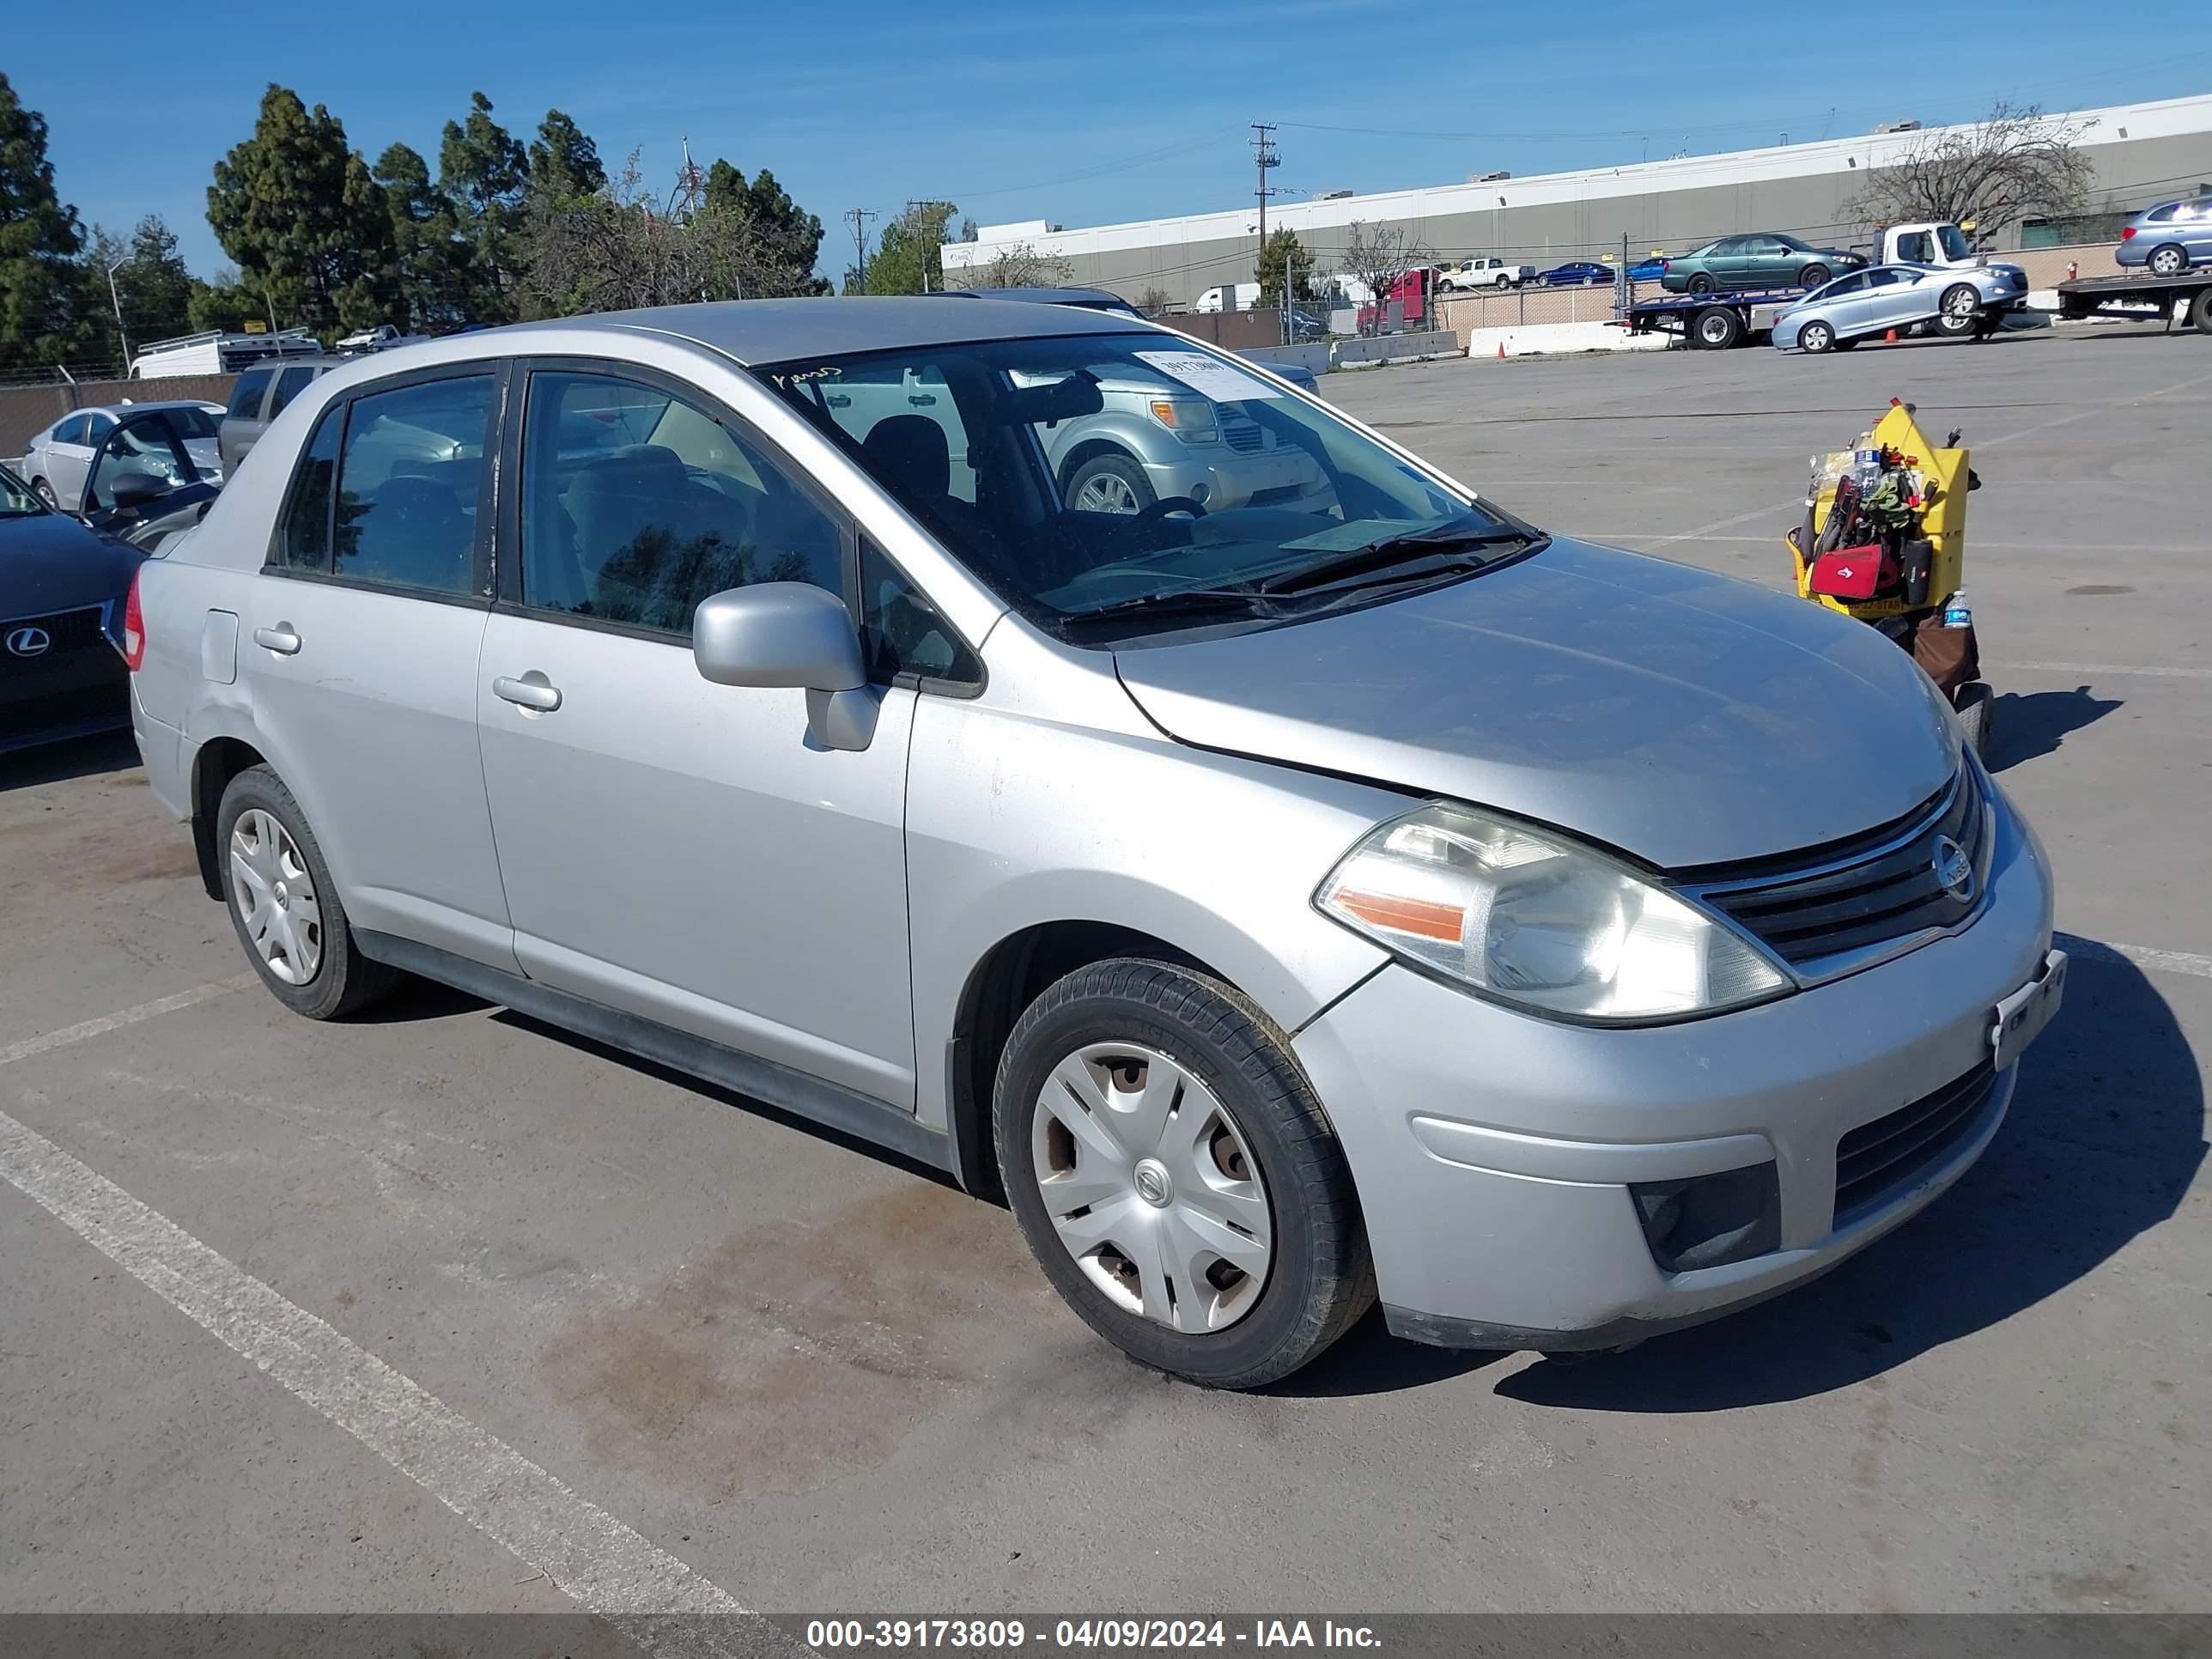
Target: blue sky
1081,115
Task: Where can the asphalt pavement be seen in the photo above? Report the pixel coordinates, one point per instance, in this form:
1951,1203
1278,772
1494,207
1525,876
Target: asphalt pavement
443,1311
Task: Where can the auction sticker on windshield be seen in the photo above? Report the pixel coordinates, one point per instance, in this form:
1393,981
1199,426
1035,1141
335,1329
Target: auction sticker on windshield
1223,382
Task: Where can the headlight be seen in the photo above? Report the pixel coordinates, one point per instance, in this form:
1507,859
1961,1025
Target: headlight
1534,919
1190,419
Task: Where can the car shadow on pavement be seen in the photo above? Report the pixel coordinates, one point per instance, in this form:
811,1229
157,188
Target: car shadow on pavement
57,763
2104,1137
2024,726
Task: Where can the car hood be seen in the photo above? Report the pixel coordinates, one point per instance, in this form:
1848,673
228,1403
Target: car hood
1683,718
49,564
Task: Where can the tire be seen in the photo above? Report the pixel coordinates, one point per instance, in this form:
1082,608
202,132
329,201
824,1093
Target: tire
2200,311
1717,328
1816,337
1704,281
323,976
1261,1150
1976,708
1110,479
1960,313
1814,276
45,492
2170,260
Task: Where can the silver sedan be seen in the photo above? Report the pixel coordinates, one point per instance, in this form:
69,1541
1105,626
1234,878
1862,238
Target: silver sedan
1958,299
57,461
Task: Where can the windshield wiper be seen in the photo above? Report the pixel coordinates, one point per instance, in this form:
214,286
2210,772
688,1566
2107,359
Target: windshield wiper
1177,602
1379,556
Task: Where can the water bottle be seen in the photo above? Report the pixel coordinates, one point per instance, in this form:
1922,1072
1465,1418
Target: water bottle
1956,613
1866,470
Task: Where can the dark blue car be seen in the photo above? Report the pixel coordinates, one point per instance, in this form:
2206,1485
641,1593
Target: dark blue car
62,588
1576,273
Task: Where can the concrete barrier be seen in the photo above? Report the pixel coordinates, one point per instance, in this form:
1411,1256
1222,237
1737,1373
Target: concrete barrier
1544,339
1314,358
1396,349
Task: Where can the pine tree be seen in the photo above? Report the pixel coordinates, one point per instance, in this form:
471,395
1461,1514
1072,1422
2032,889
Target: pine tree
564,164
45,294
483,171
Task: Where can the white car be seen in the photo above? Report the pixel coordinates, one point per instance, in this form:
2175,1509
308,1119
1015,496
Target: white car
1484,273
56,461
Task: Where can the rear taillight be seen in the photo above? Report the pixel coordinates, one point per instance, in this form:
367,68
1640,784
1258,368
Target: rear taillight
134,626
2126,232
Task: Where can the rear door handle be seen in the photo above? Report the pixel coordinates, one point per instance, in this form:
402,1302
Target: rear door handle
279,639
532,691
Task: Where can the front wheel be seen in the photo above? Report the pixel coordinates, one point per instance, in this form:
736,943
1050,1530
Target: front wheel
1174,1175
284,906
2169,261
1109,483
1816,337
1961,311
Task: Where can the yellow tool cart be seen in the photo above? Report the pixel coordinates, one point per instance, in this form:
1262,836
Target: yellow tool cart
1884,540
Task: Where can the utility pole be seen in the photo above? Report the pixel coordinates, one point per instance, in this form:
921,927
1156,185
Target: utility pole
115,300
913,223
858,218
1264,155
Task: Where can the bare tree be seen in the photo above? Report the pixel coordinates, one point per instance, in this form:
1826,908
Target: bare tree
1375,256
2016,163
1022,267
1154,300
624,246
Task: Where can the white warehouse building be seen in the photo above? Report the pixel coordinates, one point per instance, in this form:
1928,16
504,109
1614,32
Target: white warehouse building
2141,153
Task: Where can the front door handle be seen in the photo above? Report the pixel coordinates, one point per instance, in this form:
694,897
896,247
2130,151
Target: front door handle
279,639
532,691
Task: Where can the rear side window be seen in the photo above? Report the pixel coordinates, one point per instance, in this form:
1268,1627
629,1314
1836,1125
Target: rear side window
289,385
245,395
303,541
409,472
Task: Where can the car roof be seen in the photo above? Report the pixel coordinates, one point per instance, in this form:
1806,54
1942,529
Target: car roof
1056,296
121,410
784,331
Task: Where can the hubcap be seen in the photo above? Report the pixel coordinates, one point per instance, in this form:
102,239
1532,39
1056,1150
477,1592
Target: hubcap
276,898
1106,492
1152,1189
1962,304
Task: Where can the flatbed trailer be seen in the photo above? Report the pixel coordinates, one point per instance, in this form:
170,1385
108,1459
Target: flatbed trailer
2188,295
1710,322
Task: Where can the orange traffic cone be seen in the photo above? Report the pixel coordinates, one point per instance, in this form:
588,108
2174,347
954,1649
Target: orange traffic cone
1890,339
1501,351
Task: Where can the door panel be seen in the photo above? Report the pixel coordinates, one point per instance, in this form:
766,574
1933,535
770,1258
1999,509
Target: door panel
685,851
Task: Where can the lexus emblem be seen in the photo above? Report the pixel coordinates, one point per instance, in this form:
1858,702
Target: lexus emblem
1954,870
29,642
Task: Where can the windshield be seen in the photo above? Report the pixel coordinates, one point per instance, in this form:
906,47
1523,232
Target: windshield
1955,246
1132,483
17,500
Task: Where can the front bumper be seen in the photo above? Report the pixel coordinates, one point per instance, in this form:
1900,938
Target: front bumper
1494,1152
1227,479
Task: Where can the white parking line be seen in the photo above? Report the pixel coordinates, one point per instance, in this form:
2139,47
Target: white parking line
606,1566
2121,669
106,1023
2165,962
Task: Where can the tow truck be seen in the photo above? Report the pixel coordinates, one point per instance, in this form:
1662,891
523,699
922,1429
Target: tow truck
2188,295
1715,322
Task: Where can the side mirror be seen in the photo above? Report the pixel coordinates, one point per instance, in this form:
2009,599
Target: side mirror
790,635
132,490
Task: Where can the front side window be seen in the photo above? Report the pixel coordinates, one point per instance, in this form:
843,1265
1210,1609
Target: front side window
245,395
1133,482
151,445
409,473
637,504
901,632
17,499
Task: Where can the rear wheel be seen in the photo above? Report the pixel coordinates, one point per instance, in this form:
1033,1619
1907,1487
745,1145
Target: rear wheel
1816,337
1704,281
1109,483
1717,328
1174,1177
1812,275
2169,261
2200,311
284,905
45,493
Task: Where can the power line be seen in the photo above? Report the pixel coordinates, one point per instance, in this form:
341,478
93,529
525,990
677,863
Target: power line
1265,155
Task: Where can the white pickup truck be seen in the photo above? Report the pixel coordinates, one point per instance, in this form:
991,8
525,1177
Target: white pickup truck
1484,273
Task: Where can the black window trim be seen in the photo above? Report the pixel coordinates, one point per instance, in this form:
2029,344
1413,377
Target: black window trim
500,371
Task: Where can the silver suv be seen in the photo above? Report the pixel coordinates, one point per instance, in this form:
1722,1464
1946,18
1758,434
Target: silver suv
1282,904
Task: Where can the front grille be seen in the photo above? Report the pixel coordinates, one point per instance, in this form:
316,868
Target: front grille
66,631
1875,889
1243,436
1875,1159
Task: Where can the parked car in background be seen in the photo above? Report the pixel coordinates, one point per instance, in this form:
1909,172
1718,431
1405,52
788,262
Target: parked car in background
1473,275
1576,273
63,590
1153,868
1766,259
1838,314
1648,271
2168,239
259,398
56,461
